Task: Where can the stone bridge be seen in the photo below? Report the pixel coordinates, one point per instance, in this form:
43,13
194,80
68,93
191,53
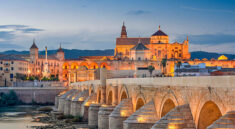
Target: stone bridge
144,103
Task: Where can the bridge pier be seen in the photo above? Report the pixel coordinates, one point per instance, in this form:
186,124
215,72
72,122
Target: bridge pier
62,100
103,116
120,113
93,115
143,118
68,100
178,118
76,103
85,105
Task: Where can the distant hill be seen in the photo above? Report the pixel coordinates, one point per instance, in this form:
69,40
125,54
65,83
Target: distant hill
201,54
75,53
69,53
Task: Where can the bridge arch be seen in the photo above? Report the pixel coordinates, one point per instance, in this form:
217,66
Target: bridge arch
91,89
110,98
209,113
213,97
123,94
139,103
167,106
98,95
167,102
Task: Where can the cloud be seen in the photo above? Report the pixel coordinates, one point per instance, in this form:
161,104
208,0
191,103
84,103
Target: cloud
30,30
137,12
208,10
6,35
20,28
209,39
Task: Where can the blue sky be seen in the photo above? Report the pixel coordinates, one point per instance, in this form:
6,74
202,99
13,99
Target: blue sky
95,24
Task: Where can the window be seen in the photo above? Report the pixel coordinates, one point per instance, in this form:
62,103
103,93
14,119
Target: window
1,62
12,62
0,68
11,75
139,58
12,68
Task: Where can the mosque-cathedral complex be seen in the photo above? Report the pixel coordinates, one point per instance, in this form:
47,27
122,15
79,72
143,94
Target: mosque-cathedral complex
132,54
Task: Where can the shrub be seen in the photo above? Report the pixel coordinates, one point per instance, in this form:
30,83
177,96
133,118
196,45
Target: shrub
69,117
60,117
77,119
45,109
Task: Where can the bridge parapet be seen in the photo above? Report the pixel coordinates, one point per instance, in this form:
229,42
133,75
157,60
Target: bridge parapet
202,81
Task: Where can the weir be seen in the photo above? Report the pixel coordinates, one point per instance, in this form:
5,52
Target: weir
154,103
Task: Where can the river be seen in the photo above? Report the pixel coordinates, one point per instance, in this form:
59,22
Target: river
18,117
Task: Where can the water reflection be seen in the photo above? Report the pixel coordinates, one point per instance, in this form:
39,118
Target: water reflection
19,117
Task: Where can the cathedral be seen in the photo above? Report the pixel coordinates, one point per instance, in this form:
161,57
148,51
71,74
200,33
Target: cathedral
156,47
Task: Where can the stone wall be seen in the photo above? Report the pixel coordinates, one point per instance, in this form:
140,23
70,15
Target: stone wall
39,95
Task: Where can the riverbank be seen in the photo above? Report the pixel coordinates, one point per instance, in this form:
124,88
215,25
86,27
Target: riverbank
59,121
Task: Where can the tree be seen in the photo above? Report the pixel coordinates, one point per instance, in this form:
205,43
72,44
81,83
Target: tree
178,66
163,63
151,69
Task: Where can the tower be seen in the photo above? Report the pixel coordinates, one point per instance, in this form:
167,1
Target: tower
123,32
33,52
60,54
46,72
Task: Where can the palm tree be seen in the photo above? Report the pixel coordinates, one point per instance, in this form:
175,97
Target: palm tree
163,62
151,69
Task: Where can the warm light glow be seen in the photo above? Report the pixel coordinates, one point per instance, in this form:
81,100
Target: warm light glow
123,114
81,99
171,127
104,105
93,102
29,71
73,97
61,93
140,119
223,57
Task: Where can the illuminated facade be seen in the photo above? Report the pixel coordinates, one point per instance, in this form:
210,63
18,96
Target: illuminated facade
131,54
156,47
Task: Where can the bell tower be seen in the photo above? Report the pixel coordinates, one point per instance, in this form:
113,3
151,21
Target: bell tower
123,32
33,52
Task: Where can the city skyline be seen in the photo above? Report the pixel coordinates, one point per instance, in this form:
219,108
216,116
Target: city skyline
96,24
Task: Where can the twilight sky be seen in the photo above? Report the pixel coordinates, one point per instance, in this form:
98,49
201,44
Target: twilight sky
95,24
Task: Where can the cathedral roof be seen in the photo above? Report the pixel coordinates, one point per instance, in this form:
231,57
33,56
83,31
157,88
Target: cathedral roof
132,41
159,33
139,46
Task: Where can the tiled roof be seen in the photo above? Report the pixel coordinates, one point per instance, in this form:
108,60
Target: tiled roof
132,41
33,46
139,46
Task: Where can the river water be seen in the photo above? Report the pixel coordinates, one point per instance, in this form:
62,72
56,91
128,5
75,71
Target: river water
18,117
